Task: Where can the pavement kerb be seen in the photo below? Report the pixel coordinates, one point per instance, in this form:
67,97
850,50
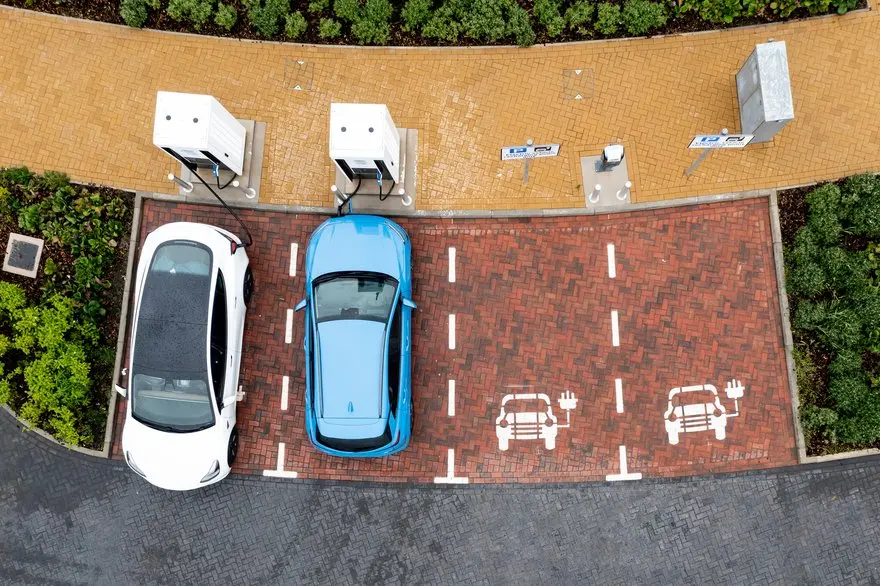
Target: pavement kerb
787,337
482,214
46,435
123,322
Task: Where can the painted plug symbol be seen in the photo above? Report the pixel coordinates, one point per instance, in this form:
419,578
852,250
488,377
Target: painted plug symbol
567,401
734,389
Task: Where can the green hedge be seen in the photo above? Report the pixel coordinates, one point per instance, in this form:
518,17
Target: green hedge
833,282
54,344
372,22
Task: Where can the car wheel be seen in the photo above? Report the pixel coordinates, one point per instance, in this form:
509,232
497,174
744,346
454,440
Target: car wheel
232,449
248,288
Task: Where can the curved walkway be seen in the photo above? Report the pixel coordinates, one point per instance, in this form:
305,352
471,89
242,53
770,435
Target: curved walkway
79,96
71,519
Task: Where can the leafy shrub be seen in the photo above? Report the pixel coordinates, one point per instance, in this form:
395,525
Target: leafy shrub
265,15
716,11
608,18
844,6
818,424
444,24
860,196
226,16
784,8
374,25
415,14
198,12
547,13
295,25
485,20
579,15
317,6
329,28
349,10
134,13
641,16
837,326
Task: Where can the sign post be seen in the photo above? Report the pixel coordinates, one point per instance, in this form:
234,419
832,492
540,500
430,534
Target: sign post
710,142
528,152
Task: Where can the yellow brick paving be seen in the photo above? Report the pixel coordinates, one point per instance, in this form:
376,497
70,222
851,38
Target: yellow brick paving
79,96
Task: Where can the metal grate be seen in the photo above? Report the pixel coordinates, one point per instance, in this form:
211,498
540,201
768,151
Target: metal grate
298,75
23,255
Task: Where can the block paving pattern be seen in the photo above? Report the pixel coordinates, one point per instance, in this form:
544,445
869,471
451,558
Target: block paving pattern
80,97
696,295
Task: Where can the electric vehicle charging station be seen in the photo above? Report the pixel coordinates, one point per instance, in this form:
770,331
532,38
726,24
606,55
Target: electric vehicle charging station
197,131
373,157
605,177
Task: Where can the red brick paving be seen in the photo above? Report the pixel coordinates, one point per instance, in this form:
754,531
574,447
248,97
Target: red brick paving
696,296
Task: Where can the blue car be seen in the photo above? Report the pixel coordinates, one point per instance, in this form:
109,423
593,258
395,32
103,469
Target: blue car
358,309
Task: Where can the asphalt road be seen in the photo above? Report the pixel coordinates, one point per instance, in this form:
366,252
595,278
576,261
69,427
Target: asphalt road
71,519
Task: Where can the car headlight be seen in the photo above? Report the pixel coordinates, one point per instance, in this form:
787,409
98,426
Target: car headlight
212,472
130,461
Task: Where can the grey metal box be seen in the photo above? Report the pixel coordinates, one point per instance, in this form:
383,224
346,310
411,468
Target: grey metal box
763,89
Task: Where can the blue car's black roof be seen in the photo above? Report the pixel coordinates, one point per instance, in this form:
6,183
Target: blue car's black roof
172,328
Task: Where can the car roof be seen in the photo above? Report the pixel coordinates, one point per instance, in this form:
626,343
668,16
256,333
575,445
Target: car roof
172,321
351,369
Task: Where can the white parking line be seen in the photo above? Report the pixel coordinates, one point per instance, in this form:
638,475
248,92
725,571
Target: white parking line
618,393
452,398
285,385
288,329
624,472
615,330
612,269
451,264
279,471
294,248
450,477
452,331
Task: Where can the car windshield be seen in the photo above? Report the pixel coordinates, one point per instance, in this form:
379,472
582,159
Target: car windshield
170,388
177,403
366,296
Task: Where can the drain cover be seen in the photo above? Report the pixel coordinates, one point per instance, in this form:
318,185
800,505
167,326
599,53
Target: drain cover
577,84
23,255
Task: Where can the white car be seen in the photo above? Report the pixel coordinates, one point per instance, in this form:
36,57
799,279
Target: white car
526,416
191,291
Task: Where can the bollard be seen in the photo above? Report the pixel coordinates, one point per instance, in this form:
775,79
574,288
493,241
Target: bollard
594,195
404,198
622,194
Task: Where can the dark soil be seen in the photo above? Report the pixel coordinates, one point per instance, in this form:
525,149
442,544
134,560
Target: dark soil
108,11
102,363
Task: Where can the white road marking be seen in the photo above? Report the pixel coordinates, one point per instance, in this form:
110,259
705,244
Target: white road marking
288,329
294,248
615,330
450,477
279,471
452,331
452,398
612,268
451,264
624,471
285,385
618,394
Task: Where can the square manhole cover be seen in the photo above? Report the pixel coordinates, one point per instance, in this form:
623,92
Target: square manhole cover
577,84
298,75
23,255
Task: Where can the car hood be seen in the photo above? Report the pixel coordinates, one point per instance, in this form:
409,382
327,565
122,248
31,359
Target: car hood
356,243
351,369
174,461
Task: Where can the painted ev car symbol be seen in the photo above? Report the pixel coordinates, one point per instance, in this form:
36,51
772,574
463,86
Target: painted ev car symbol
698,408
529,416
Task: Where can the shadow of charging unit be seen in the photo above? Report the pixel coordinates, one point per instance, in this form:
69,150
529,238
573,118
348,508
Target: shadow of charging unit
372,158
200,133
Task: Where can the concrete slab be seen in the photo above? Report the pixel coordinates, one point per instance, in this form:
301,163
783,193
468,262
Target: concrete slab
612,181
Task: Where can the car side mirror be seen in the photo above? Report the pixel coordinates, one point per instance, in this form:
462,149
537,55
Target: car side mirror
300,305
409,303
121,390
